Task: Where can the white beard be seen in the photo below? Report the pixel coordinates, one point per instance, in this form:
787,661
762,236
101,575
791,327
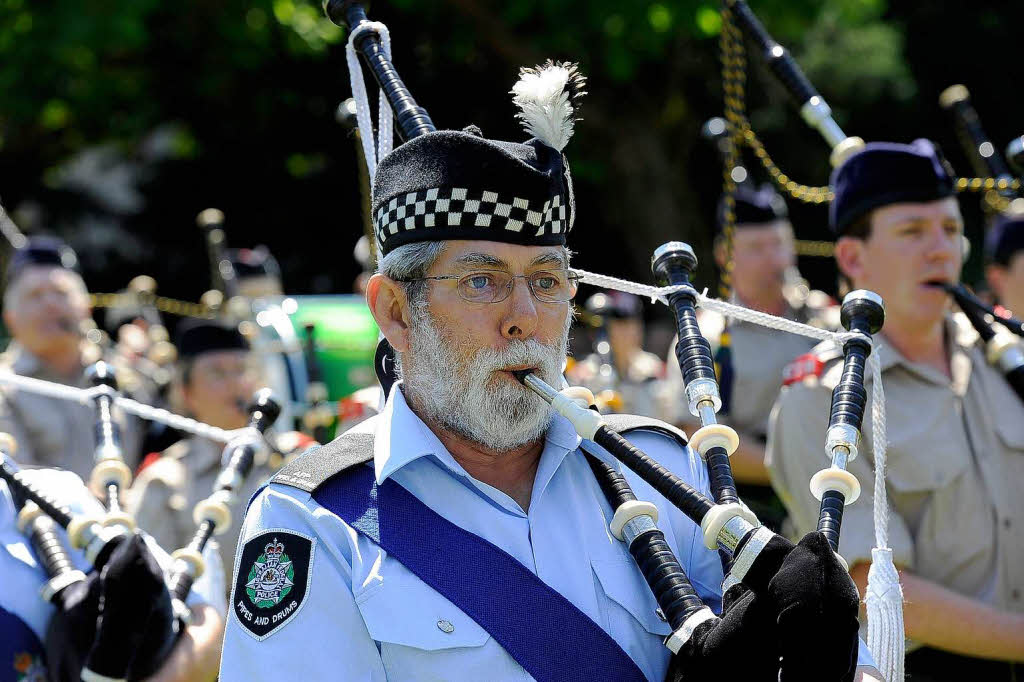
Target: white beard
470,399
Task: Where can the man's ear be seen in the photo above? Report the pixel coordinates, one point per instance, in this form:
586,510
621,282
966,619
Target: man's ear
850,257
390,308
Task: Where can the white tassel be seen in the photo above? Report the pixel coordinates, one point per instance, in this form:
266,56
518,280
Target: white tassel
547,99
885,615
884,595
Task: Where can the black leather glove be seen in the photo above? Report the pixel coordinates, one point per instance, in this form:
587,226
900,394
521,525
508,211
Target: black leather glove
118,622
740,646
815,604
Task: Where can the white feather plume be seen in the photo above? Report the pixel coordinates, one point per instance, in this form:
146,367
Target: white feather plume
546,96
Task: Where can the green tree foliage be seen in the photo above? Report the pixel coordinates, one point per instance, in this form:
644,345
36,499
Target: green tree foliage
248,90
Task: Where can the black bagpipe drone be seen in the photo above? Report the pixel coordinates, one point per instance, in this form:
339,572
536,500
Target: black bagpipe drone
794,604
121,620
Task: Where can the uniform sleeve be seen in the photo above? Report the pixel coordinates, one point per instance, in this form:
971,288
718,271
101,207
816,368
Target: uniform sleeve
9,423
796,451
154,510
325,637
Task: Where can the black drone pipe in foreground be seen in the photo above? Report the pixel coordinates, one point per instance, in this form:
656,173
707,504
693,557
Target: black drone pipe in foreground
673,264
862,312
412,119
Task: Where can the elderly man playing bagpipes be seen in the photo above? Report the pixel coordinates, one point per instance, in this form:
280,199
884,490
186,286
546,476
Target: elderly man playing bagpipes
479,528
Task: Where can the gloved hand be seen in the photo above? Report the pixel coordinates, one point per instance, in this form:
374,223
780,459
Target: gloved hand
740,646
815,603
118,622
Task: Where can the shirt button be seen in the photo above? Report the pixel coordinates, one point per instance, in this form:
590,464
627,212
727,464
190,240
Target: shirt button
1015,594
445,626
1006,523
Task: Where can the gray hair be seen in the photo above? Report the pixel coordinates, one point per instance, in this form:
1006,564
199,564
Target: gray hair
411,262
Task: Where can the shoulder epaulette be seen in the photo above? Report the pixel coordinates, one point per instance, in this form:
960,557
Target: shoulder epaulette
623,423
811,364
313,467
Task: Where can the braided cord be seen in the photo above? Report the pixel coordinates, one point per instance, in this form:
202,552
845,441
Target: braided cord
742,134
84,395
171,306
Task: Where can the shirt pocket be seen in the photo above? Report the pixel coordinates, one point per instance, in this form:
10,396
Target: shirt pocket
1011,433
420,634
633,610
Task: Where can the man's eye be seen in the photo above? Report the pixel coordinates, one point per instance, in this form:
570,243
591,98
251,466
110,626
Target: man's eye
546,282
478,281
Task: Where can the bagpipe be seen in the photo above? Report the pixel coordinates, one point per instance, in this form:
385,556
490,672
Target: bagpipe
121,620
789,610
1002,350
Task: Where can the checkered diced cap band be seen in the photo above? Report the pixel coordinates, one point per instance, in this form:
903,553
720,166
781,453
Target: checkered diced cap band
458,212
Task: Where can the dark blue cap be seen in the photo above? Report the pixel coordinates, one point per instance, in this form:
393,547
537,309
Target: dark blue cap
755,206
1004,238
42,250
455,184
884,173
196,337
615,304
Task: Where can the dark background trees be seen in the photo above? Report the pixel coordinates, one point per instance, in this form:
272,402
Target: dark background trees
121,119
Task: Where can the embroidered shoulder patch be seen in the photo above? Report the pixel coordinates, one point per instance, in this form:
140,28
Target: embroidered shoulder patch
272,581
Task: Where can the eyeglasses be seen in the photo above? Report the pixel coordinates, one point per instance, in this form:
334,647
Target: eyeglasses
494,286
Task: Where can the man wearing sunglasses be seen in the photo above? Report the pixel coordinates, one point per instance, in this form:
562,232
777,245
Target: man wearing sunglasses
436,540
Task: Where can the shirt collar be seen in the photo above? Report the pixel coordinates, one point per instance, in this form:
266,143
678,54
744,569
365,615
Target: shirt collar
401,437
960,337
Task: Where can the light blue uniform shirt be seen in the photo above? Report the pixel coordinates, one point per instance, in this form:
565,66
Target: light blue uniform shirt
22,576
366,617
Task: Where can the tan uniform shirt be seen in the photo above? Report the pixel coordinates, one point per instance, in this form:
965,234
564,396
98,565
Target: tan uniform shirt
165,493
52,432
955,466
758,356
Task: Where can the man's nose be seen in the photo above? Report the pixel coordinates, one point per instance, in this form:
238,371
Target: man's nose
520,321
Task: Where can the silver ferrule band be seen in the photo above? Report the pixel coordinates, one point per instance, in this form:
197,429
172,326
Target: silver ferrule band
98,537
734,530
729,582
228,479
745,559
58,583
842,436
677,639
637,526
817,113
700,391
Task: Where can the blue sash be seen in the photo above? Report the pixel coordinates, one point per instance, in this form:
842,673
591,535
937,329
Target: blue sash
21,652
485,582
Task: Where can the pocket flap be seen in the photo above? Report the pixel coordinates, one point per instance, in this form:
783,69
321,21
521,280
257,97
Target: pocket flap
623,583
415,615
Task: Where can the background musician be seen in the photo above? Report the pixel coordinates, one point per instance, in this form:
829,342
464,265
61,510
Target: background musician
955,428
46,308
215,378
632,373
1004,256
764,278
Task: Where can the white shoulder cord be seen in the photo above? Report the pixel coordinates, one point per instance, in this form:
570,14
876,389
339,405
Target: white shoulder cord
884,595
84,395
385,117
